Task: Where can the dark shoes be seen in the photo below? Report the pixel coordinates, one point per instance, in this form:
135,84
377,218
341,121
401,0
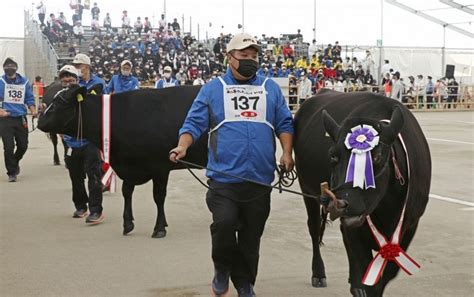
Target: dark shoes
245,290
220,282
12,178
95,218
80,213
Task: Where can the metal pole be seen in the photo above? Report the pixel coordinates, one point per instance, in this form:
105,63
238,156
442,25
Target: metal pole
314,21
164,7
381,43
182,21
190,26
243,19
199,31
443,55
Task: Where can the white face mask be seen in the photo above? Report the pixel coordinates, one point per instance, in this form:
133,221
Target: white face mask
167,75
125,72
79,73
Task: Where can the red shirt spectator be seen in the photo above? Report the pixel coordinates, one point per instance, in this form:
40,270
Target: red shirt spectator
288,51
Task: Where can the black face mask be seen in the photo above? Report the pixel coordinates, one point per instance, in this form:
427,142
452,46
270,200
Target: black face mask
247,67
9,71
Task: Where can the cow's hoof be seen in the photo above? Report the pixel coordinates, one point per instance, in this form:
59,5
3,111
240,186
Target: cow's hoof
357,292
158,234
319,282
128,228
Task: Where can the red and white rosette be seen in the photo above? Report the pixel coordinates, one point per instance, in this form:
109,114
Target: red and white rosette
390,250
109,177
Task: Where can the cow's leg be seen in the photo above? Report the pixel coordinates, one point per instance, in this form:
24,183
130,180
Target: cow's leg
358,246
160,182
54,140
127,192
313,208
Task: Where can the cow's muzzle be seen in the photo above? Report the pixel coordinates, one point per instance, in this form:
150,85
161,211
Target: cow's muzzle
337,208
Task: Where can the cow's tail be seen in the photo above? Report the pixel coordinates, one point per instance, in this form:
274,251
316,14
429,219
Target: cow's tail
324,222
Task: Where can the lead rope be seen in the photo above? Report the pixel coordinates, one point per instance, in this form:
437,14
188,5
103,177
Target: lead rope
288,178
398,174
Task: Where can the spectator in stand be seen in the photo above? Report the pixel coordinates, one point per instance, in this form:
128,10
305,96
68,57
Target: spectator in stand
304,89
108,22
162,23
441,91
368,79
349,74
387,85
181,77
288,52
124,81
386,67
125,22
420,90
41,12
167,80
339,86
336,50
79,32
397,87
138,26
175,25
38,87
429,92
453,92
369,62
146,25
95,11
199,81
328,51
302,63
95,26
312,48
277,51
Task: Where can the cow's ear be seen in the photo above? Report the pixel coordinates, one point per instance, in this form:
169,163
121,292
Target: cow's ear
79,94
330,125
395,126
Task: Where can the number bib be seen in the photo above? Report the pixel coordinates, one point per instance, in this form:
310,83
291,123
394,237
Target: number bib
245,103
14,94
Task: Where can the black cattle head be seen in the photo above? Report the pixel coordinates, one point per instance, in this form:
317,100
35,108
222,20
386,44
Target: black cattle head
61,116
351,169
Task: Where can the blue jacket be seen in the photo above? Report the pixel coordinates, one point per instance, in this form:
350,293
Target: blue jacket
94,80
160,83
121,83
245,149
17,110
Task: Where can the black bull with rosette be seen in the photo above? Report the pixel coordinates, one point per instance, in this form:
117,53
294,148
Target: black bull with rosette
328,127
144,128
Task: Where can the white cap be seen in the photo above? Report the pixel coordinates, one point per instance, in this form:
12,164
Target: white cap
126,62
242,41
167,68
81,59
68,69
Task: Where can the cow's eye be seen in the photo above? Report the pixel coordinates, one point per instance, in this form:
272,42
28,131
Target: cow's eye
377,158
334,159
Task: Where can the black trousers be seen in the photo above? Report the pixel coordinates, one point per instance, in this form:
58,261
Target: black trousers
81,162
13,130
237,227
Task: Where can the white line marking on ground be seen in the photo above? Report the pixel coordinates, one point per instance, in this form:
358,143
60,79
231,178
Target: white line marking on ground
450,121
467,209
452,200
452,141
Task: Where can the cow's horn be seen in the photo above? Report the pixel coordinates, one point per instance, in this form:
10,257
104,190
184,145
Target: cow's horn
330,125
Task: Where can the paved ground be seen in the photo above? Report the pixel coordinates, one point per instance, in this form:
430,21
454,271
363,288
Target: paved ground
44,252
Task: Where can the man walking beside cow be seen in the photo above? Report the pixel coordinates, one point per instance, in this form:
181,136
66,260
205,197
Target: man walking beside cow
243,112
15,94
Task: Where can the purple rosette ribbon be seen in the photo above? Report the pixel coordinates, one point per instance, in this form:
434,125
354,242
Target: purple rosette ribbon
360,171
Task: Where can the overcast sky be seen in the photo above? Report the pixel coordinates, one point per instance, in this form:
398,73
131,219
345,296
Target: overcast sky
348,21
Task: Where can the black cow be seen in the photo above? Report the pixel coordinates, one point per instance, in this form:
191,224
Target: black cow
321,155
145,125
48,96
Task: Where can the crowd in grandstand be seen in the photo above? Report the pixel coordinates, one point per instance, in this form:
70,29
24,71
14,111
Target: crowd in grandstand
151,50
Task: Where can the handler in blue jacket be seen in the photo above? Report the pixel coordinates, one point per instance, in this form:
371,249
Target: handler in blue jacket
82,156
15,94
124,81
242,112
